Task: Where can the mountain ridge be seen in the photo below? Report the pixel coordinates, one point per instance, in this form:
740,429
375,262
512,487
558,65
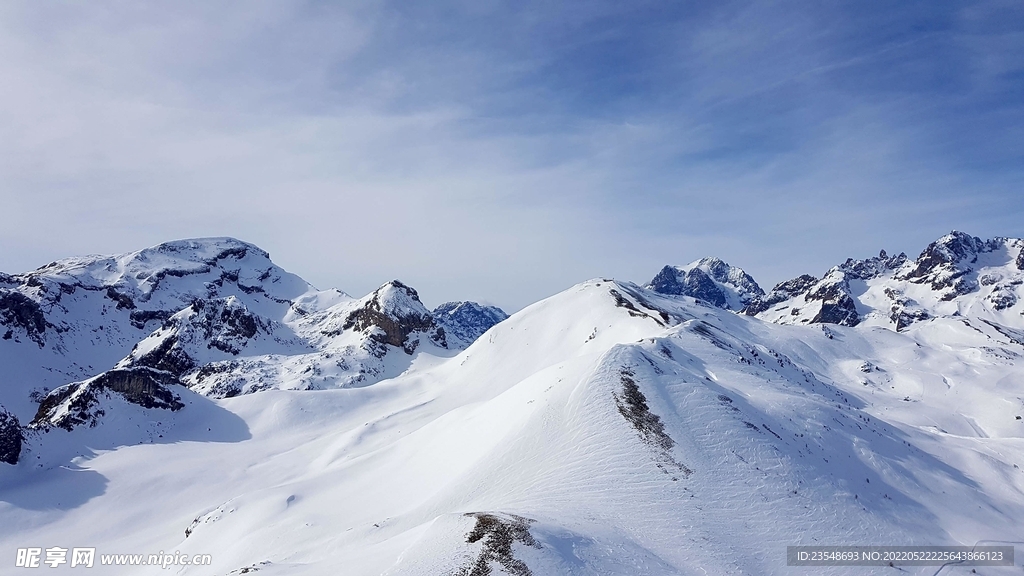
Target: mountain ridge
892,291
607,429
204,313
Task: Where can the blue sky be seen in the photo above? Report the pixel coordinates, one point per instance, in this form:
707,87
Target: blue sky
505,151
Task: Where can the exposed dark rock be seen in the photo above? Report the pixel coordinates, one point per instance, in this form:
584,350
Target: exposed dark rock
705,280
837,305
20,311
75,404
709,333
223,388
904,318
139,318
783,291
623,302
223,324
123,300
833,291
1020,260
903,311
11,437
945,264
950,249
872,267
467,321
1002,297
1015,336
723,272
632,404
694,283
498,534
391,315
699,285
168,357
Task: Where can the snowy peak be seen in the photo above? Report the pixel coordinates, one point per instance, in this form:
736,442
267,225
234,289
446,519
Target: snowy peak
464,322
710,280
391,315
874,267
146,287
608,429
958,275
945,265
830,300
212,314
139,277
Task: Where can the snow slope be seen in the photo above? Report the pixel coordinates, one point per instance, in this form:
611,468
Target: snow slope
609,429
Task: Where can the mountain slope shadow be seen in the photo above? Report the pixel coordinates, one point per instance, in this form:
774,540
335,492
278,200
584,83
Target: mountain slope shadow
55,473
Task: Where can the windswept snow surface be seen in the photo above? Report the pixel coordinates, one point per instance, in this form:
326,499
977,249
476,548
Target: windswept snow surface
607,430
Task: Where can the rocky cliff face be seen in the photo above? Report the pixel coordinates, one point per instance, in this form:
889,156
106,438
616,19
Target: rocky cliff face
392,315
205,330
710,280
20,316
82,403
946,264
11,437
464,322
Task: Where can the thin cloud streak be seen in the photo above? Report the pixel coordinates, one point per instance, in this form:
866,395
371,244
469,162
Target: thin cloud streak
480,151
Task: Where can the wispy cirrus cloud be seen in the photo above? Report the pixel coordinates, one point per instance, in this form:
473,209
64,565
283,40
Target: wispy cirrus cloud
503,151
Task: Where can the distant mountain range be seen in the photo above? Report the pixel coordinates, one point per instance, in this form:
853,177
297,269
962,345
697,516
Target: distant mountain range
696,422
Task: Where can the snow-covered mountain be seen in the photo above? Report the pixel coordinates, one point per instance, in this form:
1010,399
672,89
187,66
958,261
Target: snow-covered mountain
610,429
215,315
710,280
956,276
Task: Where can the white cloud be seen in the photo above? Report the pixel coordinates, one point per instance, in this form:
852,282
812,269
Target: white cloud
358,144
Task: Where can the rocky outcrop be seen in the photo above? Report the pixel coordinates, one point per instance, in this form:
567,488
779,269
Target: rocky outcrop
904,311
11,437
829,300
215,315
782,292
136,292
1002,297
875,267
498,533
182,344
21,315
837,303
464,322
945,264
80,403
392,315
